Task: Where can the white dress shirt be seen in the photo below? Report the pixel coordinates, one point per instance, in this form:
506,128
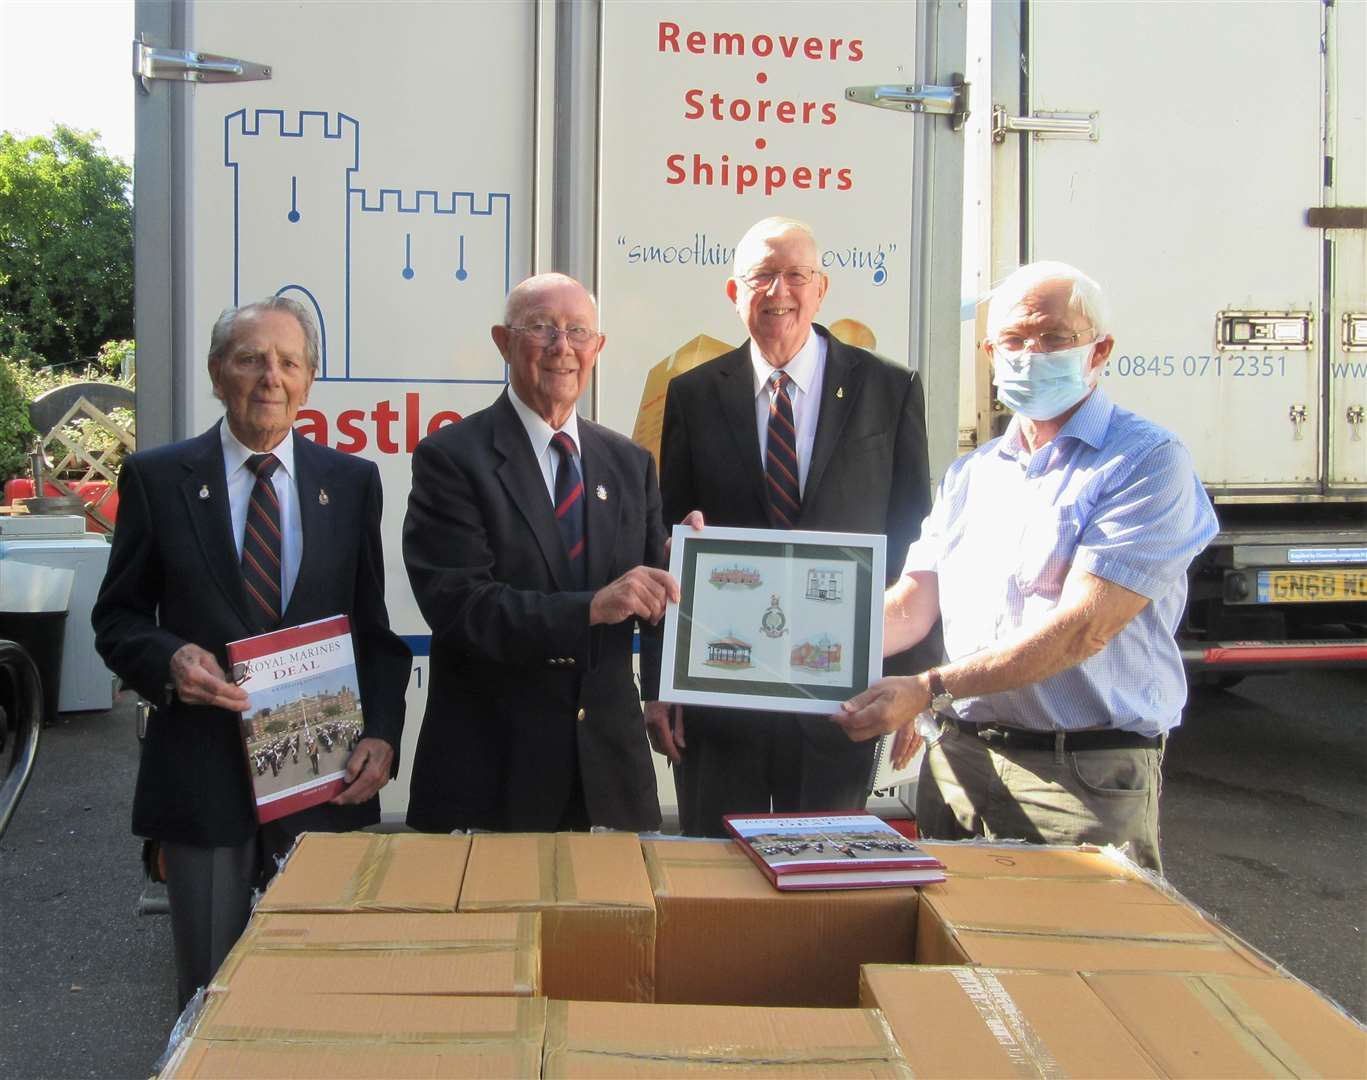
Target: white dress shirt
241,480
539,433
806,372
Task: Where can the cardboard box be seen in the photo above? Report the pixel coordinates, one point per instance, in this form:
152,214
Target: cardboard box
988,859
1231,1026
593,894
370,872
232,1015
430,953
1065,924
726,936
976,1022
603,1039
358,1035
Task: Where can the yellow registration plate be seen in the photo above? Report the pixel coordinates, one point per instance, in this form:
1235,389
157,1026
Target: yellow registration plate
1311,586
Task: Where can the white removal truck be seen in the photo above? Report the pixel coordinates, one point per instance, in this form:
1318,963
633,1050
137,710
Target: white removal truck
397,167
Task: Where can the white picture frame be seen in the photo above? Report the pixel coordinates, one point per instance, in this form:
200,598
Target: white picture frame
773,619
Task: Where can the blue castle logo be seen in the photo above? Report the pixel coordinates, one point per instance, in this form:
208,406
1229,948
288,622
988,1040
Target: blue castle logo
372,262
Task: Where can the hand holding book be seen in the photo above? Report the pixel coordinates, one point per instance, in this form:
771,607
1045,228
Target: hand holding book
198,680
367,770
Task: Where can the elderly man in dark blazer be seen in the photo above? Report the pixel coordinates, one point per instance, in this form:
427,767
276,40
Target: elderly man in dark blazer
793,430
534,545
189,572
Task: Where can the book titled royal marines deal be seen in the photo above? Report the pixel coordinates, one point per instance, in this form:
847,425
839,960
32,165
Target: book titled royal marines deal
304,718
838,850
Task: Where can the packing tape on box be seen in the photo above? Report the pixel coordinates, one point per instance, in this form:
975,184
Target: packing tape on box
366,882
261,935
658,867
1247,1026
1053,933
528,1024
883,1051
546,878
190,1054
526,960
1022,1044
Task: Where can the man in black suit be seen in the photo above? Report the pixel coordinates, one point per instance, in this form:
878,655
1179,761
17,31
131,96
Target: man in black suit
190,571
534,544
792,430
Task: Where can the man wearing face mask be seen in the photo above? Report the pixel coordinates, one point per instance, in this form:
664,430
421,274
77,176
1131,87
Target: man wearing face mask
1056,556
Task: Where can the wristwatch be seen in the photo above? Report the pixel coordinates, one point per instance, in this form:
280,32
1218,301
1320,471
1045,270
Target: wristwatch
941,700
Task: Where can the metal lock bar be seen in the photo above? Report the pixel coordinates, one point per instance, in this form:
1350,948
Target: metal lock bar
1044,125
1252,330
1354,332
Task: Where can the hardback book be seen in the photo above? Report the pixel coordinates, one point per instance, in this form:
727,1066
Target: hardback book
838,850
305,713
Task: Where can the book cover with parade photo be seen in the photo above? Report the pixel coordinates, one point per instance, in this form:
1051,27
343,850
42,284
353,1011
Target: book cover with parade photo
305,713
836,850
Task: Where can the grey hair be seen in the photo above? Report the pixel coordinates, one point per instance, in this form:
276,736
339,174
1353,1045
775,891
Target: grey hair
767,229
1086,298
221,336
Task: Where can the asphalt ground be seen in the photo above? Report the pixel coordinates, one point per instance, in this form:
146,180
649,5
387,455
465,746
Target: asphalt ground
1264,826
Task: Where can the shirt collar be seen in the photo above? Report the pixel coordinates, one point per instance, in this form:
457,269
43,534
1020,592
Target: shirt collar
801,368
235,455
540,432
1089,425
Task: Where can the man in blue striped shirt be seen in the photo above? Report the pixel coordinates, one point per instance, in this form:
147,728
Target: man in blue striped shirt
1056,556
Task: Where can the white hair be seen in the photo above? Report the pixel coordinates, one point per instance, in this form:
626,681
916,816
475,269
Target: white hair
767,229
221,337
1086,299
517,297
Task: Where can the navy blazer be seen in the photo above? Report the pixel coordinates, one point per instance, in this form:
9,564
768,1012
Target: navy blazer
869,472
174,577
520,683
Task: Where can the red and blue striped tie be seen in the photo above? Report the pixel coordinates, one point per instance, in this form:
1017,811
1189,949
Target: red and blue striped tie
261,544
780,457
569,504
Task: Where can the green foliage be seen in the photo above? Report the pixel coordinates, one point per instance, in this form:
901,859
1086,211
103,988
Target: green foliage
66,246
16,433
114,355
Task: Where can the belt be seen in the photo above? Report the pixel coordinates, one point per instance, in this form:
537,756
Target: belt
1098,739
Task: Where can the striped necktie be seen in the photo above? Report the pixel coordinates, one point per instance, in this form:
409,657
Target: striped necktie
569,504
780,457
261,544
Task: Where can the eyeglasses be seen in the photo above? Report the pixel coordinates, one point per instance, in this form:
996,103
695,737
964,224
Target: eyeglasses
793,277
545,335
1051,342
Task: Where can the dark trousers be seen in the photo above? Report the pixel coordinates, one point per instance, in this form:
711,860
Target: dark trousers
210,890
762,763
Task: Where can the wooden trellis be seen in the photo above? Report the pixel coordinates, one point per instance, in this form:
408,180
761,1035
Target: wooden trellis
78,458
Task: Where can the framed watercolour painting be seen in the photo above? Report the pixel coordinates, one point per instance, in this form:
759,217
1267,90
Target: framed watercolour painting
773,619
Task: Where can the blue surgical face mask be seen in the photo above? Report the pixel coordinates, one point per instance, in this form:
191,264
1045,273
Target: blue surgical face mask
1041,386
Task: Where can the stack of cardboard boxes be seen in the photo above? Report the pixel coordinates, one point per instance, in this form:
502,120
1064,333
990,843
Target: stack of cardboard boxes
576,955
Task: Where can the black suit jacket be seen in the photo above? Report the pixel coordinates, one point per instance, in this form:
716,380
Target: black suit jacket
869,471
520,683
174,577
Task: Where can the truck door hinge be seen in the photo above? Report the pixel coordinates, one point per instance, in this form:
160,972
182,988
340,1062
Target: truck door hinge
182,64
951,101
1044,125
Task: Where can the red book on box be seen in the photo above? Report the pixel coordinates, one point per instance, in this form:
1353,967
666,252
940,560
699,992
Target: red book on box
305,713
846,849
